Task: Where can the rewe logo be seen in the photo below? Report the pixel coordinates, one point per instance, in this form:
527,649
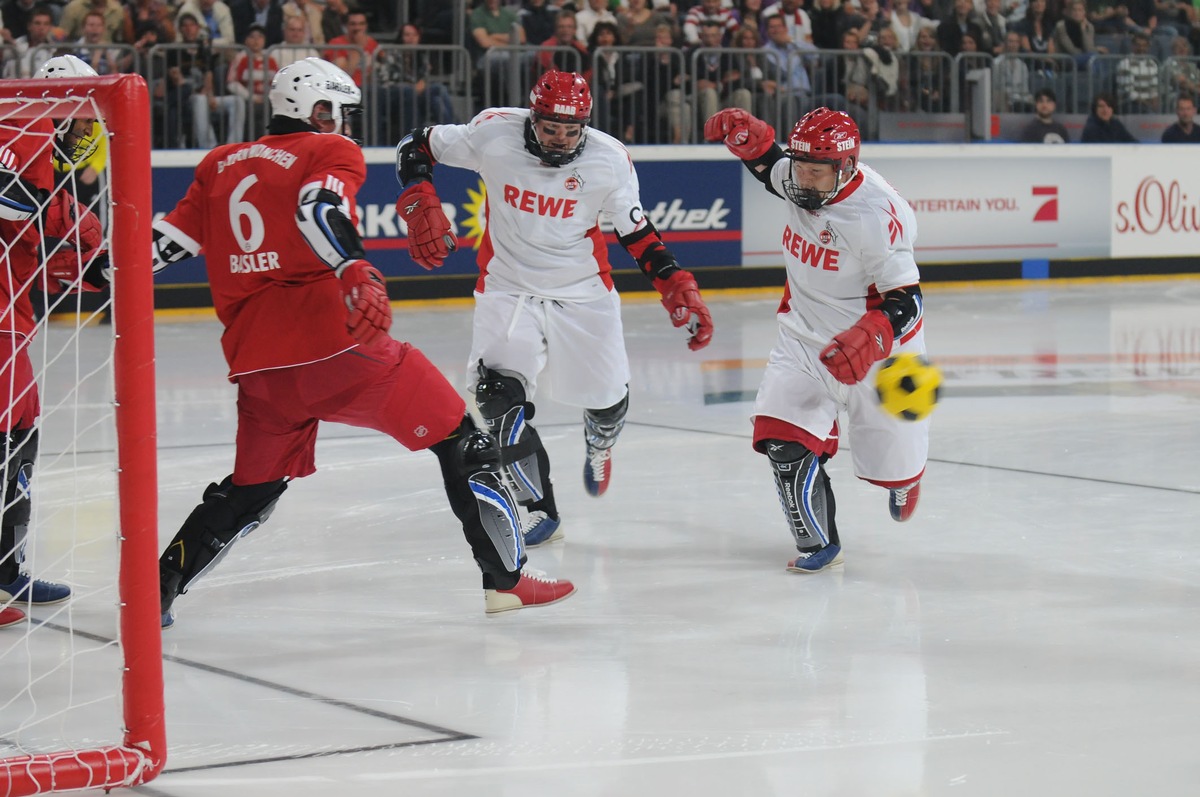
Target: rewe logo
1048,211
809,253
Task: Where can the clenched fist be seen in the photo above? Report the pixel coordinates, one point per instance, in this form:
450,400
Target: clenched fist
369,312
681,297
743,134
429,236
852,352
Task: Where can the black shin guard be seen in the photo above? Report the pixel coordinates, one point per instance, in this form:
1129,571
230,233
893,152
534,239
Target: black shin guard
602,427
480,499
20,452
228,513
805,494
502,404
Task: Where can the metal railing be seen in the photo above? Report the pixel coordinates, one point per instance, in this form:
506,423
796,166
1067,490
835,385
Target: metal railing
414,86
642,95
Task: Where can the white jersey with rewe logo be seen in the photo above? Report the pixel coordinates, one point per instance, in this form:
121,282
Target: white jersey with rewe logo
543,223
842,257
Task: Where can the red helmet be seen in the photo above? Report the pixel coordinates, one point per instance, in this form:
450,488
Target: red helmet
823,136
561,97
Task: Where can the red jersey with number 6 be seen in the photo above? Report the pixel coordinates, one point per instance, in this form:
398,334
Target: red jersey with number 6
280,303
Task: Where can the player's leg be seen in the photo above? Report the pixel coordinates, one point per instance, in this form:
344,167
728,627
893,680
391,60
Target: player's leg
227,513
502,404
20,449
793,401
887,451
471,470
600,431
276,439
19,441
589,368
410,400
508,351
806,496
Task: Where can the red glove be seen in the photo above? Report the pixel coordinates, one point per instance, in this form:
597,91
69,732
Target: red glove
367,301
852,353
63,269
429,236
72,239
744,135
681,297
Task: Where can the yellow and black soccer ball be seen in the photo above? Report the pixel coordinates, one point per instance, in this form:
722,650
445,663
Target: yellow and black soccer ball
908,386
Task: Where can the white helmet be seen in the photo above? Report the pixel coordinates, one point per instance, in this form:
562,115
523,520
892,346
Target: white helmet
68,66
65,66
299,86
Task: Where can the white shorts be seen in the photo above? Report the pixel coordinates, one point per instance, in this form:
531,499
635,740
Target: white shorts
580,346
797,389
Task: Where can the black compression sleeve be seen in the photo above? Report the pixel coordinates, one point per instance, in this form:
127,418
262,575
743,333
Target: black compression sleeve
651,254
414,158
761,167
903,307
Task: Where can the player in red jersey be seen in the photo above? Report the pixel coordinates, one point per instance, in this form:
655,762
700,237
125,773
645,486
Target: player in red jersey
306,320
38,228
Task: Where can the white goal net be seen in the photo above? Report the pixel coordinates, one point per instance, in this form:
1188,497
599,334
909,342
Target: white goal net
80,653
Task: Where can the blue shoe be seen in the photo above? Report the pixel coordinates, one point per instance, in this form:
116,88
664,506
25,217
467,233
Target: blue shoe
36,591
816,561
168,619
541,529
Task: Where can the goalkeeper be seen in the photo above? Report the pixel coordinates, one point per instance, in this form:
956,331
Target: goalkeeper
51,243
545,298
306,337
852,299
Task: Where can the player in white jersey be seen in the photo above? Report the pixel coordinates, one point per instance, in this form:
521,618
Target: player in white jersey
544,300
852,299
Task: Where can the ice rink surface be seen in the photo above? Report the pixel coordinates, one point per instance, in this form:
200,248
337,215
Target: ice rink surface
1034,630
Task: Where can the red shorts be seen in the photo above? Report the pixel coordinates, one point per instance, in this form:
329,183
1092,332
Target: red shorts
388,386
22,408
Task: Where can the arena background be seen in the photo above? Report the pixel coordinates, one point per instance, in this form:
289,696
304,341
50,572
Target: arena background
984,212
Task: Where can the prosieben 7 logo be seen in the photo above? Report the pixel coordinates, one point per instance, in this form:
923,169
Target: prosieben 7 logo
1048,210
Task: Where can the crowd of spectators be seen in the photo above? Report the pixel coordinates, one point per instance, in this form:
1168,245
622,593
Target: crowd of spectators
208,61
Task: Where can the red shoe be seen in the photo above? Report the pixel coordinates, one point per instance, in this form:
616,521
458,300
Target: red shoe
10,615
902,502
534,589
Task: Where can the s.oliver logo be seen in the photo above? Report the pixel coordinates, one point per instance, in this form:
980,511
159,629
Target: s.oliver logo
1158,207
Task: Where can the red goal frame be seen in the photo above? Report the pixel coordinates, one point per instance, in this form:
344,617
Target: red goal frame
124,104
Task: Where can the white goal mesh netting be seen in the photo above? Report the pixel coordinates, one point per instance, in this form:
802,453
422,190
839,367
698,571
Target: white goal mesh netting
63,667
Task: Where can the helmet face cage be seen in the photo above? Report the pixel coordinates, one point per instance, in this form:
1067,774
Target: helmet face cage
822,136
562,98
69,66
297,88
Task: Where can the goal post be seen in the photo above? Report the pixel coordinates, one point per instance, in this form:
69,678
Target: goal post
136,750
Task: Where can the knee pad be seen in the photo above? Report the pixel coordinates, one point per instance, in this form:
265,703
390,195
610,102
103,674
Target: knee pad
602,427
805,494
480,498
501,402
227,513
